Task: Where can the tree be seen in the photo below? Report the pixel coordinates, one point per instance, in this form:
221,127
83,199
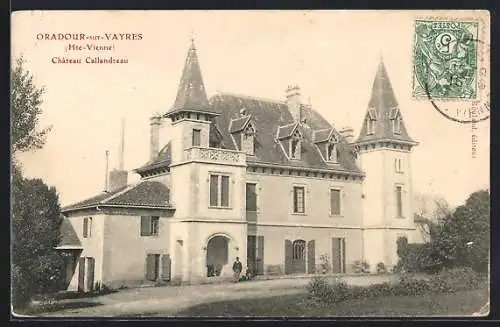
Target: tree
464,237
35,216
26,100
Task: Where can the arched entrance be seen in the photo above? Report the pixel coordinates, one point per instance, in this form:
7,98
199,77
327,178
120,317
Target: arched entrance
217,255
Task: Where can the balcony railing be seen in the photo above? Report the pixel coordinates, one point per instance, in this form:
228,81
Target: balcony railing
215,155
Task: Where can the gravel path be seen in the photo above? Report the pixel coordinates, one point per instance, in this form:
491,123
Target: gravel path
171,299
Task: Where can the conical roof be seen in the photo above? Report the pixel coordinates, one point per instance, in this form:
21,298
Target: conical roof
191,94
383,108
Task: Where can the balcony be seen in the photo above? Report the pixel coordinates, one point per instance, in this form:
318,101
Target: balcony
215,155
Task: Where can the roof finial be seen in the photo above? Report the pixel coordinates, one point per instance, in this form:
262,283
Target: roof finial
192,39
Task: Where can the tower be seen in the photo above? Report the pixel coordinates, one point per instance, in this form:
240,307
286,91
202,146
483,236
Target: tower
202,181
191,113
385,156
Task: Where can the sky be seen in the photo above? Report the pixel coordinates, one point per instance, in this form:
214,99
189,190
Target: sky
331,55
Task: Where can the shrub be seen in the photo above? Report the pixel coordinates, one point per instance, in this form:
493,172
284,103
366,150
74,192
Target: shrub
325,267
320,289
462,278
381,268
412,286
361,267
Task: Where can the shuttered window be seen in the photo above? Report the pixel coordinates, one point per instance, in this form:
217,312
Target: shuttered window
150,225
196,137
152,266
87,227
251,197
224,191
335,206
399,201
219,191
298,199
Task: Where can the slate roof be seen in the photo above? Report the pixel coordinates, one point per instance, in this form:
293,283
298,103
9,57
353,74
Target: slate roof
384,103
238,124
143,194
191,93
267,116
287,130
69,238
322,135
163,159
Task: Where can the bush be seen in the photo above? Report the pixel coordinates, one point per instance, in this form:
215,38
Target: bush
361,267
21,293
325,267
408,285
412,286
381,268
463,278
320,289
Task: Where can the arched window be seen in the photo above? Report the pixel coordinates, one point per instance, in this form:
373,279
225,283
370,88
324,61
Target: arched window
299,249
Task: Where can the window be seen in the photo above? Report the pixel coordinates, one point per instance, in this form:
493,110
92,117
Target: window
299,247
247,142
332,152
295,146
298,199
398,165
251,197
150,225
87,227
196,137
399,201
396,125
219,191
370,126
335,205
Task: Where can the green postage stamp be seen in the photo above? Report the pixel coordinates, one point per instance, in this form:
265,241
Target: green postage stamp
445,56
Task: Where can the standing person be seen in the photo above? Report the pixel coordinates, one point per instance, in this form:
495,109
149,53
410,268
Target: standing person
237,267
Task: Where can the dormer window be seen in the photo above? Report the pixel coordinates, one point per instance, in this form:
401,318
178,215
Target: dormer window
248,140
332,151
396,125
295,146
370,126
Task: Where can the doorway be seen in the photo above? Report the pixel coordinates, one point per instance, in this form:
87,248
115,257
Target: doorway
217,255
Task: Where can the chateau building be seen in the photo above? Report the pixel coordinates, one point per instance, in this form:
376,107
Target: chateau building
269,181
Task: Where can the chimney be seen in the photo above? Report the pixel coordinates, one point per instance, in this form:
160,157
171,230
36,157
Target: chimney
106,172
293,101
155,123
118,178
347,134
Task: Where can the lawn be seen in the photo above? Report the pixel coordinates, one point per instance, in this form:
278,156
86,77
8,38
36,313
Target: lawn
450,304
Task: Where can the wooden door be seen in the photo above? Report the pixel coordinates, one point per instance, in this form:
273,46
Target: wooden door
151,267
90,274
166,264
81,274
288,256
251,255
338,255
260,255
299,256
311,257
